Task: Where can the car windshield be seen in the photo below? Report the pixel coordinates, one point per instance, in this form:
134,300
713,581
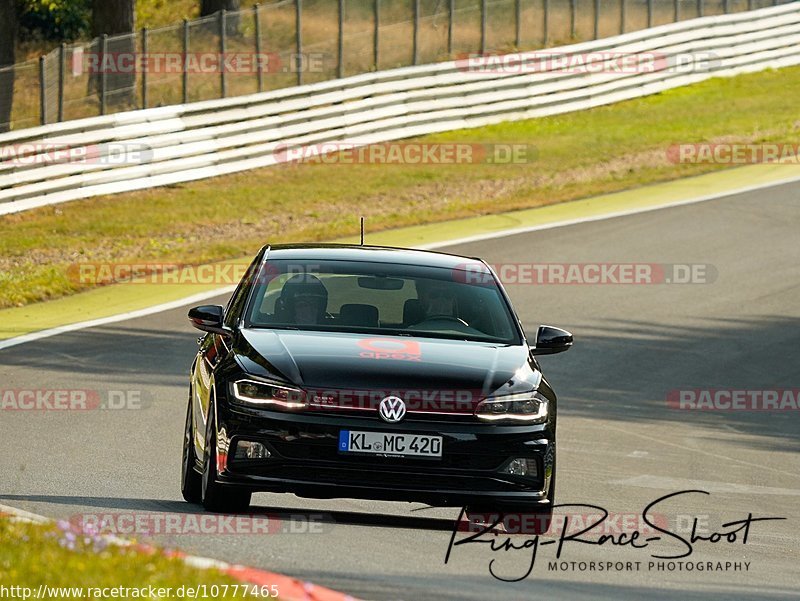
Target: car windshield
384,298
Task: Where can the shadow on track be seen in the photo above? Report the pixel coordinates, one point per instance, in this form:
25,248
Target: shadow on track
624,370
352,518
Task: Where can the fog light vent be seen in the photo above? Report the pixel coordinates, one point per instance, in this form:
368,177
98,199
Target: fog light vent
521,466
248,449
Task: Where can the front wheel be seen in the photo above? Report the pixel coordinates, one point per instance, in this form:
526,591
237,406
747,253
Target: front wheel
217,497
191,480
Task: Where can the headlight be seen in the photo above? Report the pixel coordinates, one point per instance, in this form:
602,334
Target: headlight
264,394
530,407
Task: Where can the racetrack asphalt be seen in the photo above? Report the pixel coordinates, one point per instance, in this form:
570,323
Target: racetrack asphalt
620,445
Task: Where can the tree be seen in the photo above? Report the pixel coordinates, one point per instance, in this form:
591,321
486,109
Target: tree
56,20
115,17
209,7
8,39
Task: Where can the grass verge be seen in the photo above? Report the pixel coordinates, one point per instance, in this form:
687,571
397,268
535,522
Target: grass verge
580,154
56,556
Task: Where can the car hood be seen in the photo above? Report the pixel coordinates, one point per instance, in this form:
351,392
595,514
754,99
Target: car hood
344,361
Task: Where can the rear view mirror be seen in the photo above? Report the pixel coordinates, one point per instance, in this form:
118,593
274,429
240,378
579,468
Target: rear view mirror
208,318
551,340
380,283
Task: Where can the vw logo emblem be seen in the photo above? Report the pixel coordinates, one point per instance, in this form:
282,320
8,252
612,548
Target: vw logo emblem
392,409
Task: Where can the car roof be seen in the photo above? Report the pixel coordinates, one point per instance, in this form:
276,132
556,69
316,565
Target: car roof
377,254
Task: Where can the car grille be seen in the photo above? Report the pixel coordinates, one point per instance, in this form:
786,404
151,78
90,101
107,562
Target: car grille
328,452
418,480
411,416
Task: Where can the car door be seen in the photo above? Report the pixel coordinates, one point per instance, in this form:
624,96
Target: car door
213,349
202,380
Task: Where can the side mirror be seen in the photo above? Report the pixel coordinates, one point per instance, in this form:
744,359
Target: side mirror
208,318
551,340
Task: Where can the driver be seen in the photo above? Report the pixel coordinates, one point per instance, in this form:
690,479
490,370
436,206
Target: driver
303,300
437,299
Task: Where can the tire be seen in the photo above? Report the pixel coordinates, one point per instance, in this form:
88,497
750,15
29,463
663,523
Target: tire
217,497
191,480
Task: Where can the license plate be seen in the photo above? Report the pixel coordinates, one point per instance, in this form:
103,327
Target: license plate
390,444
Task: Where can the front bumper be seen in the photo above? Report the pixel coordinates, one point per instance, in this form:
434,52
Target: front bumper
305,459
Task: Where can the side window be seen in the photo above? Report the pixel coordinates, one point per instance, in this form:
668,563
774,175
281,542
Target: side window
239,297
266,295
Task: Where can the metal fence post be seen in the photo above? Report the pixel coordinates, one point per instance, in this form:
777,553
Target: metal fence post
677,11
750,4
573,9
649,13
377,37
701,9
416,33
62,67
450,26
483,26
42,93
545,22
185,74
517,23
622,15
259,61
726,6
223,87
340,60
298,24
144,71
596,29
103,49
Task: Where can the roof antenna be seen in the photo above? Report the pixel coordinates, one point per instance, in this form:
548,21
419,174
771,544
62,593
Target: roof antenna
362,231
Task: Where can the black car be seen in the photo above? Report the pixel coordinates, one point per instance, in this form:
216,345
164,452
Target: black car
374,373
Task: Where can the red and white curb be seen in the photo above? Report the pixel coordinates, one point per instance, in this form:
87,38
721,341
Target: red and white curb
289,589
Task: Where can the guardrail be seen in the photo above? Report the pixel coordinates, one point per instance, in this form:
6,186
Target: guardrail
205,139
282,43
